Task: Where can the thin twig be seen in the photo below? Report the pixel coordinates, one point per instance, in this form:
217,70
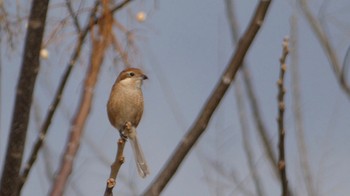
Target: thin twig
119,160
119,49
327,46
296,99
264,136
246,140
236,183
280,118
213,101
231,15
73,15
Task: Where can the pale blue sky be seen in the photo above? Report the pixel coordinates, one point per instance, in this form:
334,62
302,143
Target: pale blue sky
188,44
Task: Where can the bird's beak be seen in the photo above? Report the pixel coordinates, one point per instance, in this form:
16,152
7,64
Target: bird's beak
144,77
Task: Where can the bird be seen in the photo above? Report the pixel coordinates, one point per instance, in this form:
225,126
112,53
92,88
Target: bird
125,108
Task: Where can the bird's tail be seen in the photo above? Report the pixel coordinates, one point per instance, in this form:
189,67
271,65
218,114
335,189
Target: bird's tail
141,164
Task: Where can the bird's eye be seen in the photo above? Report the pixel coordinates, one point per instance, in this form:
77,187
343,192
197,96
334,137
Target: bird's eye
131,74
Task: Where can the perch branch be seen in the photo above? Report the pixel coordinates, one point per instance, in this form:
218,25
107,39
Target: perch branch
119,160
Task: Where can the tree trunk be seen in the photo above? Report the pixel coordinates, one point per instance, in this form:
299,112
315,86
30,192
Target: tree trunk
29,70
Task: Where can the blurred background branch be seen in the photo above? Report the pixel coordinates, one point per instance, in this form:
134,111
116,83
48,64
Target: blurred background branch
10,179
213,101
297,107
100,43
326,45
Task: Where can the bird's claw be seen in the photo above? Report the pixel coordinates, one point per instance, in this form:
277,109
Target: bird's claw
126,130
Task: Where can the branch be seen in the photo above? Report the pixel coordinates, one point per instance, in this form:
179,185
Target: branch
119,160
30,67
254,105
327,47
297,108
56,101
73,15
203,119
247,146
280,118
99,46
59,93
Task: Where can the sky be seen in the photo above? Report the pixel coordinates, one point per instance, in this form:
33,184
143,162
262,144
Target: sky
183,47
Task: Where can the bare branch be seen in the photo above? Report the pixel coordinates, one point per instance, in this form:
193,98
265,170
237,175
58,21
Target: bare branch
213,101
59,93
253,103
30,67
56,101
119,160
73,15
280,118
99,46
327,46
246,140
298,119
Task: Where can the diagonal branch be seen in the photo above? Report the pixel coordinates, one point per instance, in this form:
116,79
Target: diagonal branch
253,100
73,15
99,45
327,46
247,146
213,101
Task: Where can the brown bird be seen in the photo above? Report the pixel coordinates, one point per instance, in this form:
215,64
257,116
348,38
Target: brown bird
125,108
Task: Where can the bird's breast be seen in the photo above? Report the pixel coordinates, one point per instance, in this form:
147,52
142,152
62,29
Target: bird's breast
125,105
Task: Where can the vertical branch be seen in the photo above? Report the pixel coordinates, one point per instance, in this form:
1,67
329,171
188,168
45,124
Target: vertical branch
280,118
99,45
119,160
298,119
211,104
25,87
253,98
246,140
55,102
253,102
